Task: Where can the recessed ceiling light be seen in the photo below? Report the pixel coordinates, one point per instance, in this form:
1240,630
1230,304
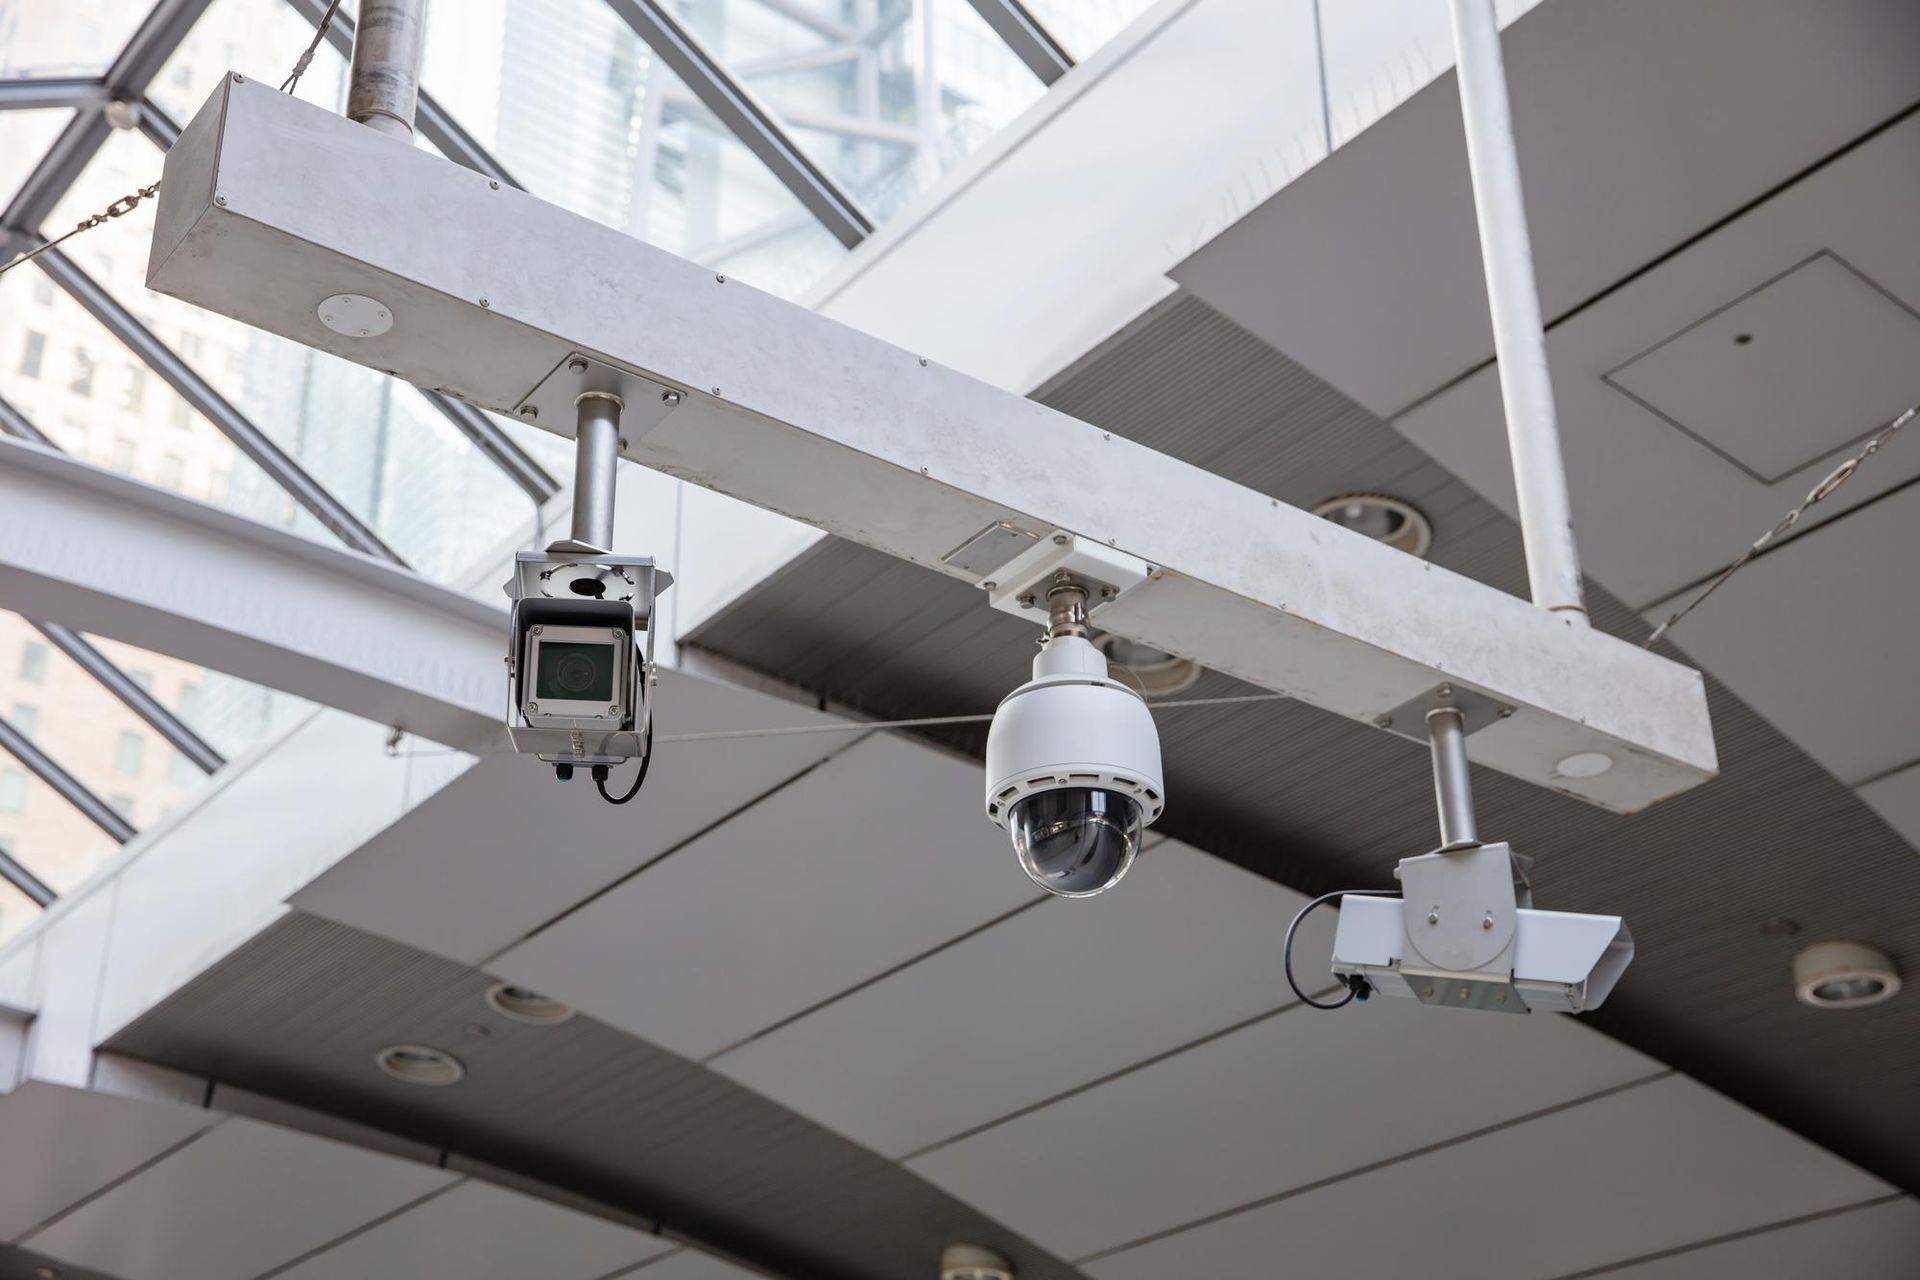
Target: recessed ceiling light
1154,672
1844,975
420,1064
1398,524
523,1005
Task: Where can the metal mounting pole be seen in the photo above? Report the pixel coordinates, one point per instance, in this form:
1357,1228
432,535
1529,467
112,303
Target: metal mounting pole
1452,787
596,456
383,87
1519,339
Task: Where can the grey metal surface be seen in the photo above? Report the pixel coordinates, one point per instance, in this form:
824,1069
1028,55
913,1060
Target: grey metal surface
44,92
1030,41
71,789
25,881
199,393
1318,803
299,1011
746,119
383,78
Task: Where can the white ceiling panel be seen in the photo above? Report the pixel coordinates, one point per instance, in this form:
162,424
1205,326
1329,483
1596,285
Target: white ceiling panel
1039,1004
59,1145
1657,508
880,854
505,847
1278,1105
1818,637
1878,1242
1045,1001
1896,798
1654,1167
242,1199
1367,268
481,1232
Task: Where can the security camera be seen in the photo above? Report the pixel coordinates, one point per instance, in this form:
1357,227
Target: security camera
580,665
1073,762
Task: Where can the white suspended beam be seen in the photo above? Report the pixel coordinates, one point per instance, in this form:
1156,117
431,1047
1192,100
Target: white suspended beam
97,552
271,205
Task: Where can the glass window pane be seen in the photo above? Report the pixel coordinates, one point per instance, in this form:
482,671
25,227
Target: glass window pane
230,714
46,835
65,37
24,138
885,95
17,910
374,442
258,38
1082,26
578,109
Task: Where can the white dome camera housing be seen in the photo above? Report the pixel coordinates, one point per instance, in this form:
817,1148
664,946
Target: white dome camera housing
1073,770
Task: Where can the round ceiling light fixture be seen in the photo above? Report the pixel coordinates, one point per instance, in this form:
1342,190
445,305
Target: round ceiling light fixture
524,1005
420,1064
1398,524
1844,975
973,1262
1154,672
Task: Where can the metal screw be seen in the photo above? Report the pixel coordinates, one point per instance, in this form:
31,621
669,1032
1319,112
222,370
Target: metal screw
221,201
722,279
533,708
988,585
238,78
537,630
1445,691
1433,916
716,391
493,183
618,634
485,303
1464,993
1026,600
1383,722
614,710
923,362
923,471
1108,593
1106,435
1488,922
529,411
669,397
1059,539
1505,712
577,365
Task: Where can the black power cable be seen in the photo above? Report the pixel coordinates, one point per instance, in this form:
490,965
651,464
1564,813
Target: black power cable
1357,987
639,779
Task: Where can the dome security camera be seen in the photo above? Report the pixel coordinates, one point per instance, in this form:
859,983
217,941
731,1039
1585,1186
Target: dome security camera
1073,763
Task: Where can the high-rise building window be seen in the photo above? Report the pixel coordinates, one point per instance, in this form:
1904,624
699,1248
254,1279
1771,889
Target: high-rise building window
25,717
172,468
33,662
182,416
187,705
122,460
33,353
181,771
190,345
130,753
81,383
133,392
121,803
13,790
142,678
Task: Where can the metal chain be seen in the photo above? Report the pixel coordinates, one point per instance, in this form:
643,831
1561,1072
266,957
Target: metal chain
119,208
306,59
1820,492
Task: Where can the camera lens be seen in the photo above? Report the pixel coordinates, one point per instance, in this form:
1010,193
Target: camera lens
1075,841
575,672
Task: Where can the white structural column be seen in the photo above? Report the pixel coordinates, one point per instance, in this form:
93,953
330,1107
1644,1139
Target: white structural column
271,204
1519,339
110,556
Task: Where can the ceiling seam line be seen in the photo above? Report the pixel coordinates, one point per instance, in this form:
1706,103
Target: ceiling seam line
1653,264
1612,1268
363,1228
1109,1077
668,852
1376,1166
26,1237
